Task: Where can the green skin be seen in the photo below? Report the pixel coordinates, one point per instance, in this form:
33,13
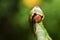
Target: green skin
40,32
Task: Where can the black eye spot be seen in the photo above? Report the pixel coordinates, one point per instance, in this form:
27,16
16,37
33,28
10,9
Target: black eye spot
41,16
35,14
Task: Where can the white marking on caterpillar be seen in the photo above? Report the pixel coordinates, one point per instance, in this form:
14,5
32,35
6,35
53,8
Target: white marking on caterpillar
39,32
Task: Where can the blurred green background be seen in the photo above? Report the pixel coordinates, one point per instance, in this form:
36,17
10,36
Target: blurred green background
14,23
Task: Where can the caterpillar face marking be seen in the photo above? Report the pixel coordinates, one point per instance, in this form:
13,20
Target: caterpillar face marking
37,18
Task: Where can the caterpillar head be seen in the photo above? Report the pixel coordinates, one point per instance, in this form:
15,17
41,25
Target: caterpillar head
37,15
